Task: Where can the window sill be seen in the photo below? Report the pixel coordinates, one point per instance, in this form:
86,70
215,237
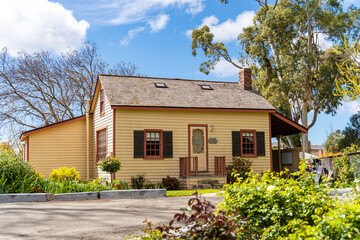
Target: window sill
249,156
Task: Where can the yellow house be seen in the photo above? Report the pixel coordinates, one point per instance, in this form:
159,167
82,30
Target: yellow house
187,129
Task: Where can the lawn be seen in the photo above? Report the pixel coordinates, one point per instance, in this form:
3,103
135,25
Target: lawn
182,193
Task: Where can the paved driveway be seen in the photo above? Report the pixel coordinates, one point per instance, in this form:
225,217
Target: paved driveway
95,219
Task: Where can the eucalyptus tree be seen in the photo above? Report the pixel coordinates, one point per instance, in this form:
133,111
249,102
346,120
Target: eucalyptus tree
293,68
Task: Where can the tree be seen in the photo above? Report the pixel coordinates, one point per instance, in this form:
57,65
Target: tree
291,68
333,142
348,84
39,89
351,132
339,140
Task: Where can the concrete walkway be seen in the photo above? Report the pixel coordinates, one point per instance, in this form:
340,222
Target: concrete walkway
94,219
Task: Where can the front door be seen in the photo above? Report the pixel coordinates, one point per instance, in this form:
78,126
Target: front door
198,144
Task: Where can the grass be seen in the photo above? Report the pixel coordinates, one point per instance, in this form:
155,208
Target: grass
182,193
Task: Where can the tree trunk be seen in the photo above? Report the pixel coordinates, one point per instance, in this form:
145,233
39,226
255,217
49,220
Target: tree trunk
304,122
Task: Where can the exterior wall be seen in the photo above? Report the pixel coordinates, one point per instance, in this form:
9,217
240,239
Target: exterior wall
99,122
295,160
177,121
60,146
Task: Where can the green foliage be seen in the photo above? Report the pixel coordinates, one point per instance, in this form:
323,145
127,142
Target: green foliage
151,185
120,185
333,142
340,140
16,175
65,174
138,181
290,66
110,164
171,183
270,202
346,168
238,169
342,222
67,186
198,221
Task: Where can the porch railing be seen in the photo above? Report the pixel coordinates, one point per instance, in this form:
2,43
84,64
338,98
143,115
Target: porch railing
220,165
189,166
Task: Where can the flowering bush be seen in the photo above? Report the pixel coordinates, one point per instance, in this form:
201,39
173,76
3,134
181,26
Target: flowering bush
239,168
119,185
64,174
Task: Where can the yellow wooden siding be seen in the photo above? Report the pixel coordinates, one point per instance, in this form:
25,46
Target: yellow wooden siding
177,121
103,120
60,146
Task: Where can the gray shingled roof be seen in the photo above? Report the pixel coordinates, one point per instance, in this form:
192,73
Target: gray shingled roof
140,91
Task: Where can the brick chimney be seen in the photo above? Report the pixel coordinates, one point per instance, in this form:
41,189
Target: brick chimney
245,78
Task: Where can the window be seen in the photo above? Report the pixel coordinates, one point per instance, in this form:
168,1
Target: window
153,143
248,143
102,101
160,85
101,144
140,143
206,87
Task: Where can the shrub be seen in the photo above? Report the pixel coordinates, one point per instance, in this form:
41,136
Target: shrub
270,202
119,185
171,183
65,174
239,168
203,222
16,175
110,164
71,187
138,181
150,185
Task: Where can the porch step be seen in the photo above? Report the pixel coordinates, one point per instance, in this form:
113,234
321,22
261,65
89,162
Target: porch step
202,182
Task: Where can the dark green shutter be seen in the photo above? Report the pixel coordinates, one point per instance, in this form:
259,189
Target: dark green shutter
236,143
167,144
260,143
138,144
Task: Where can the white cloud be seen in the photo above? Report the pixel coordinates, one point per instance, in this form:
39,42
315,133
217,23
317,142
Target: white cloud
131,11
230,29
159,22
131,34
349,107
323,42
225,69
34,25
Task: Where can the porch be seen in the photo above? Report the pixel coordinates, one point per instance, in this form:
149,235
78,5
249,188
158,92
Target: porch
191,178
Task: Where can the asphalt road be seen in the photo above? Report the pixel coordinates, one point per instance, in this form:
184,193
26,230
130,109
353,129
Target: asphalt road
95,219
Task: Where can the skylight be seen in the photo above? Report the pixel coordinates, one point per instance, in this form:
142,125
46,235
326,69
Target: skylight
206,87
160,85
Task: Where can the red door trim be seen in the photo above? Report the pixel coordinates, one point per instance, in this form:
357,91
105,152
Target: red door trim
206,140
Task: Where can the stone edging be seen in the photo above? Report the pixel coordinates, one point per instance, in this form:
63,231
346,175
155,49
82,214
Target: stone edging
114,194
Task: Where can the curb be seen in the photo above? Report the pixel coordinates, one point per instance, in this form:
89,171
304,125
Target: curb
26,197
114,194
76,196
133,194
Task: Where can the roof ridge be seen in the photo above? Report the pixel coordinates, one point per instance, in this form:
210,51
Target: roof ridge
173,79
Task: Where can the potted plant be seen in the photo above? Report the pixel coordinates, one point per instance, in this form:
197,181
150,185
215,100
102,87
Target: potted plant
111,165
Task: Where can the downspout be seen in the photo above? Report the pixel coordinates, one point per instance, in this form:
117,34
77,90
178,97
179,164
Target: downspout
87,139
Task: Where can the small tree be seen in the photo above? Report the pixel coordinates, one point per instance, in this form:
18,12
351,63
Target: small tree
111,165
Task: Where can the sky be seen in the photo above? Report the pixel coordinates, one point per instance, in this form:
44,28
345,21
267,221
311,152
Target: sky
155,35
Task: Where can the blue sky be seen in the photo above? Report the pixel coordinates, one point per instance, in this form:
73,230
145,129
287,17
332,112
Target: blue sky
152,34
